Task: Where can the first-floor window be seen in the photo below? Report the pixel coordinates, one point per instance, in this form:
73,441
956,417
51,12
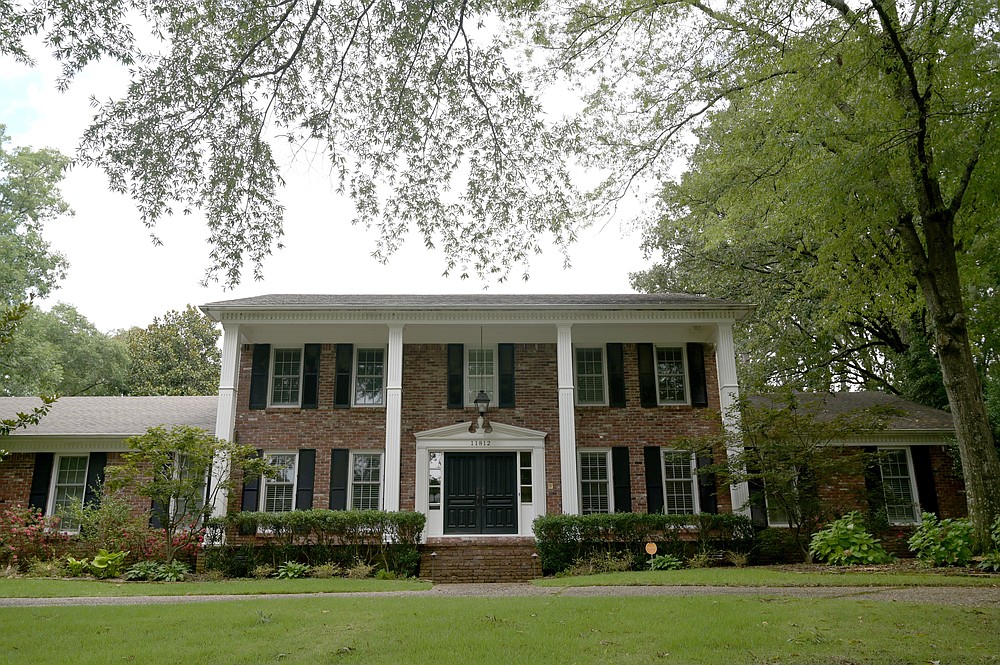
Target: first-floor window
524,471
679,482
595,482
366,478
897,485
189,511
70,486
435,467
279,492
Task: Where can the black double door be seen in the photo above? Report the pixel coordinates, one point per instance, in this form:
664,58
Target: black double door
480,492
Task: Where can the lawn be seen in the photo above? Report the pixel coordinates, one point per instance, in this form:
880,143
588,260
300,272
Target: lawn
557,630
778,577
48,588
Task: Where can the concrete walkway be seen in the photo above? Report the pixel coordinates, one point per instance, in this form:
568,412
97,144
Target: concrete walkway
959,596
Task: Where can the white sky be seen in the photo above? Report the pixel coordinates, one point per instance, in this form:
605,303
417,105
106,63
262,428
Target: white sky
118,279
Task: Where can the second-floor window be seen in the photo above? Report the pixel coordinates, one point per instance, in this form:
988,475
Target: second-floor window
480,373
670,375
590,376
369,377
286,377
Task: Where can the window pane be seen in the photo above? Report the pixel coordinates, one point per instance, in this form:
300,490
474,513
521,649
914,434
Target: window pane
589,376
279,493
670,374
71,481
480,373
678,485
369,376
594,490
285,379
434,481
365,479
896,486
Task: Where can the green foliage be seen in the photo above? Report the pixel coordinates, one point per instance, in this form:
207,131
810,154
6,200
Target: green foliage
49,568
291,570
845,542
563,539
326,571
597,562
107,564
174,355
665,562
156,571
26,534
109,523
142,571
942,542
77,567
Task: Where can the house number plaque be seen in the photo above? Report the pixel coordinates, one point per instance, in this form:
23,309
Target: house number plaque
480,443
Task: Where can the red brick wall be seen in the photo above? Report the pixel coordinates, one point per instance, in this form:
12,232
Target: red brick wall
15,479
425,407
948,483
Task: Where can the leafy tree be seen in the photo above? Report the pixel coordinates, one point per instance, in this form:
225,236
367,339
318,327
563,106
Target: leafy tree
29,197
174,355
61,352
181,462
10,317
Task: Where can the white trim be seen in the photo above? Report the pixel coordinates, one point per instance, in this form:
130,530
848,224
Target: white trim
264,481
354,376
915,504
695,494
381,477
568,464
467,383
610,479
684,374
271,374
50,504
604,373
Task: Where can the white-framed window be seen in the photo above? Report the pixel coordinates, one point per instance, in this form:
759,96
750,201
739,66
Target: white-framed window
896,467
680,482
435,469
278,494
595,482
591,388
671,373
480,373
286,377
369,377
69,484
180,507
524,475
366,480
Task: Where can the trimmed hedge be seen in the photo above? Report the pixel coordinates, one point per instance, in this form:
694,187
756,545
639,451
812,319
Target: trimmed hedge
562,539
386,540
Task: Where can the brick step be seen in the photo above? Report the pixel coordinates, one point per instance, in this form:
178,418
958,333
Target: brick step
458,560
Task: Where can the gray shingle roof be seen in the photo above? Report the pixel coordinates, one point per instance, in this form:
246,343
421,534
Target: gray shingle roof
915,417
480,300
113,416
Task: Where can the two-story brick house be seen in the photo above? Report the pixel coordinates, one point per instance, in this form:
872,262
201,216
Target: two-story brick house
371,402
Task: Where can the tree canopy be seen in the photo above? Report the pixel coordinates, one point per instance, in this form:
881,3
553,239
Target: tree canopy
177,354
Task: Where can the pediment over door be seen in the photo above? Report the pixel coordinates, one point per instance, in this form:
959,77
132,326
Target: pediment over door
459,432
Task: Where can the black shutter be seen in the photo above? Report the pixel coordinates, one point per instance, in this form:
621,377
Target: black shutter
305,479
707,500
654,479
310,376
647,375
155,511
342,381
339,460
95,478
505,363
456,376
924,476
251,491
873,481
616,374
622,479
696,374
40,479
258,375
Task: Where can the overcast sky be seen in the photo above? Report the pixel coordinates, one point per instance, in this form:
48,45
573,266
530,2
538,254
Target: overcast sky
117,278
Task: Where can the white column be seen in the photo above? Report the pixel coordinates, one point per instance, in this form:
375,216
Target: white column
567,421
225,417
393,418
729,394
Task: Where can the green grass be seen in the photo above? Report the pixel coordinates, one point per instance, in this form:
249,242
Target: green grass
45,588
504,630
763,576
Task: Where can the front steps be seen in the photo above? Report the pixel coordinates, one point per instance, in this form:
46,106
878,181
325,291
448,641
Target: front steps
480,559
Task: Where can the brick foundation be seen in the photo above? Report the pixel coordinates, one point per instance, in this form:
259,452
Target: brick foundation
454,560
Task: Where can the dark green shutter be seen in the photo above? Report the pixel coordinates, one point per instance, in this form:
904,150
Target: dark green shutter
305,479
647,375
924,476
654,479
616,375
156,512
339,463
622,477
873,481
696,374
95,478
456,376
251,490
707,499
505,363
41,477
258,375
310,376
342,379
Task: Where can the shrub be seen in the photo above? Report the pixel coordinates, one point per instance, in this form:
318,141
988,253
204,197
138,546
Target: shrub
261,572
27,534
53,568
700,560
107,564
108,524
665,562
602,562
845,542
942,542
76,567
141,571
360,570
326,571
174,571
737,559
386,575
291,570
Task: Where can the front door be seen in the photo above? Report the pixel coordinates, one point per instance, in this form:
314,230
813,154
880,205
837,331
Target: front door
480,492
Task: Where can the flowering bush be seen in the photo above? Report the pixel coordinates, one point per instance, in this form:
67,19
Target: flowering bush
26,534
